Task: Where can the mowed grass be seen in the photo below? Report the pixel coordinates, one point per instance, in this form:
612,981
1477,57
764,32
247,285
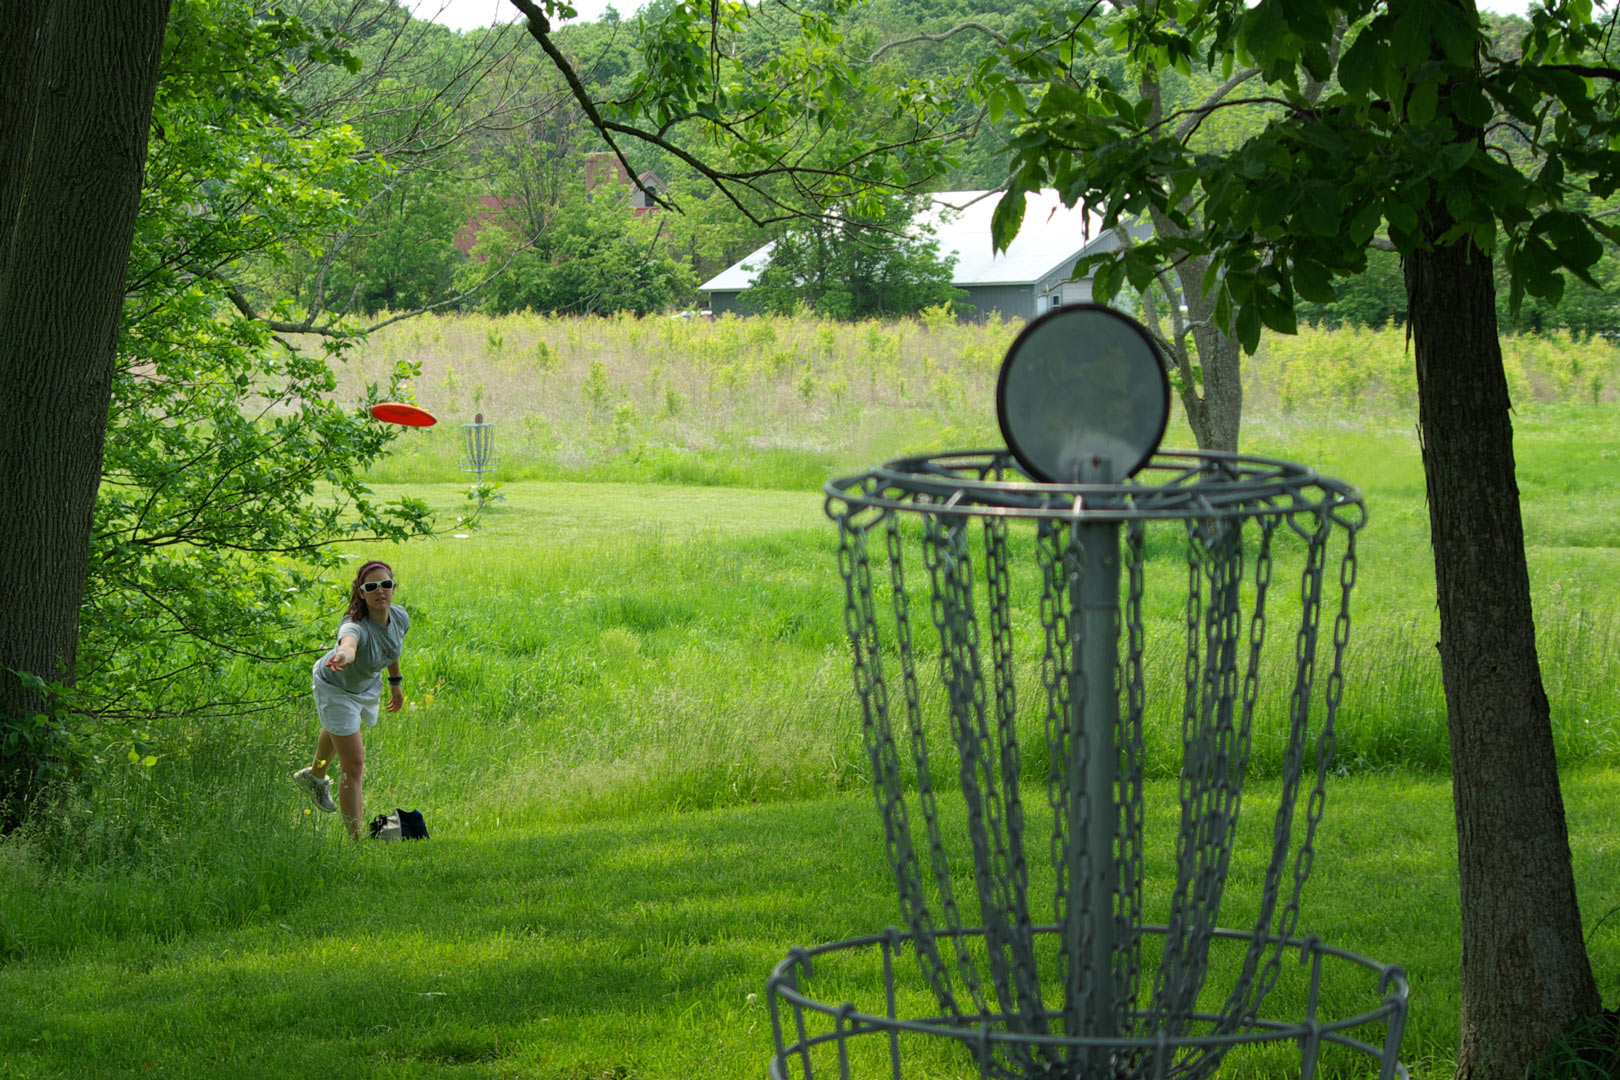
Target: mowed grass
633,733
639,946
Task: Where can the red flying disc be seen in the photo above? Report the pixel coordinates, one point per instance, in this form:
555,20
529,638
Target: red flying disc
397,412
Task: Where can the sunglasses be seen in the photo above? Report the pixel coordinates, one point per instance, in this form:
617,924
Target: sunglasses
373,586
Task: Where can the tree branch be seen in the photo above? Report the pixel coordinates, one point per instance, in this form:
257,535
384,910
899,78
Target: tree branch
959,28
540,29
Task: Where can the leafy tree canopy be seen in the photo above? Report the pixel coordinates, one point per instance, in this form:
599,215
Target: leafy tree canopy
228,468
1423,113
855,268
587,257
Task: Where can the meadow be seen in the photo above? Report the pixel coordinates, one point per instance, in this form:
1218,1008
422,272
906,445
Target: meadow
630,721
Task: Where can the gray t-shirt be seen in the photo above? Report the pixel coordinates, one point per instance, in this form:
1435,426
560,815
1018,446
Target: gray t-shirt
376,647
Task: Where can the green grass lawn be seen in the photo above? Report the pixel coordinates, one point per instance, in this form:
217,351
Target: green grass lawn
632,731
639,946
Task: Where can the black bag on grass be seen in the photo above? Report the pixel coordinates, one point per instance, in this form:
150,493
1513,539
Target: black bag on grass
400,825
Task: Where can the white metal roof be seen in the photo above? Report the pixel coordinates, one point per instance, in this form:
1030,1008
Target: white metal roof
1052,234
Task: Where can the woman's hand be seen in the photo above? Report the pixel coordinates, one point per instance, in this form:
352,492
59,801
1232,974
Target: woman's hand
396,698
343,655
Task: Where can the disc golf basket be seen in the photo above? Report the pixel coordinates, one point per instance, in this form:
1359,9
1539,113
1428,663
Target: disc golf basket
1021,577
480,457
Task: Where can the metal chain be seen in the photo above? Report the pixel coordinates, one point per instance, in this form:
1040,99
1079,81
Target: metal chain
1061,559
1011,867
1175,939
1236,1012
1217,742
1054,612
945,557
1327,737
1131,816
860,622
1239,746
1208,799
1224,756
1299,708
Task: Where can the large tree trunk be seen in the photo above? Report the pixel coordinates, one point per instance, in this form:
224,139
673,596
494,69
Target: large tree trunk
75,105
1525,973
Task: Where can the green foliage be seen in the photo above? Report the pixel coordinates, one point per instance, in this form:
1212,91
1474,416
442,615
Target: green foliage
1584,307
1377,297
857,268
406,261
589,256
1355,369
786,93
229,467
1396,143
1374,298
38,749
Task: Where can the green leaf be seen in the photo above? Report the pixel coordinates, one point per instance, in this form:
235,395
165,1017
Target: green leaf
1409,37
1364,225
1319,209
1106,283
1313,282
1264,30
1421,105
1357,65
1007,218
1314,58
1401,215
1456,33
1573,242
1470,104
1459,203
1248,328
1276,311
1139,268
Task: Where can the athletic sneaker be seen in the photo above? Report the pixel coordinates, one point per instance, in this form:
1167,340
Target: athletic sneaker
319,788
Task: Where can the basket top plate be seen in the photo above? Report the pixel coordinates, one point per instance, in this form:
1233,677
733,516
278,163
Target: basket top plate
1083,396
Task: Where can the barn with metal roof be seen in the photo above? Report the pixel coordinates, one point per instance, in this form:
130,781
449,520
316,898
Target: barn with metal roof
1033,275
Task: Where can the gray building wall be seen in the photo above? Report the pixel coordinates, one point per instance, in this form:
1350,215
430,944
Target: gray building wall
722,302
1012,301
1057,288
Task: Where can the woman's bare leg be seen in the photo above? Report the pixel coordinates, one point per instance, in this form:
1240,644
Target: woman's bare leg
324,748
351,753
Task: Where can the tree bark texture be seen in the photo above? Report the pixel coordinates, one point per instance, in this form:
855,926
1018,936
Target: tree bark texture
75,105
1525,972
1211,397
1219,359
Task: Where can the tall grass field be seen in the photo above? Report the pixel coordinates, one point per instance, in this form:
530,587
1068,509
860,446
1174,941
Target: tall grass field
631,724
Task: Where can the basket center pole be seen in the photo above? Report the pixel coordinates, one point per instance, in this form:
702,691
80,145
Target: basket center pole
1094,718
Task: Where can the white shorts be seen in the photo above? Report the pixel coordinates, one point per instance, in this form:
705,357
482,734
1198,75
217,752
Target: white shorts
341,712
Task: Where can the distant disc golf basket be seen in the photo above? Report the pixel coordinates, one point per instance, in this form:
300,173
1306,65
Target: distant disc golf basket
1057,922
480,456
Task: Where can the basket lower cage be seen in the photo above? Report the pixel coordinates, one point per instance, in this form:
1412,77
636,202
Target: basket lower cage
873,1032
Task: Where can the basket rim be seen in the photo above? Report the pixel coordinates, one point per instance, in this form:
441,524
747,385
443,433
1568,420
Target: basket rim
1191,484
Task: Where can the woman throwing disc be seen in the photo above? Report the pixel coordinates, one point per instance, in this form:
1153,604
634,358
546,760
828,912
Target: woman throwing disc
348,687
